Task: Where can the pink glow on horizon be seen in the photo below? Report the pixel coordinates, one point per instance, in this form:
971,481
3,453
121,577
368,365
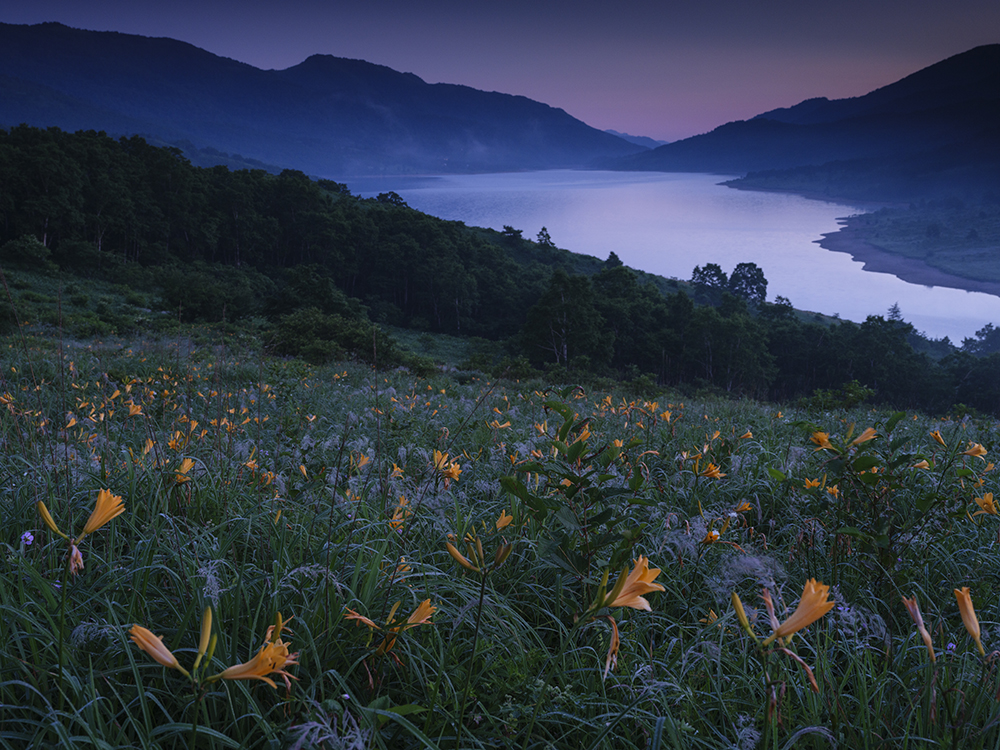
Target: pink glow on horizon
663,70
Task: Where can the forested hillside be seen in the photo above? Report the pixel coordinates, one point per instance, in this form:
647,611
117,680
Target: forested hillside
310,268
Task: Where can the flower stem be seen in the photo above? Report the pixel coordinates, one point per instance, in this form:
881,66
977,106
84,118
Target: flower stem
468,674
62,624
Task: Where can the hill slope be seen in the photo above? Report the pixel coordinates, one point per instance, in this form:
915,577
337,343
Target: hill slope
932,132
327,115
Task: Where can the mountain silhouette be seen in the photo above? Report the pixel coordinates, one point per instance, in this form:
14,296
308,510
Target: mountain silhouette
935,131
327,116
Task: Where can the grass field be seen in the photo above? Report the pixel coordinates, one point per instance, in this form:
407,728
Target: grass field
251,487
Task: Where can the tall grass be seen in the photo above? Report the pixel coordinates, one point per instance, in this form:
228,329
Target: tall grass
256,486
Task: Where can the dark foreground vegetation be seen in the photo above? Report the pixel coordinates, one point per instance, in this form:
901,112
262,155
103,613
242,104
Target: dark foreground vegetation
337,557
100,235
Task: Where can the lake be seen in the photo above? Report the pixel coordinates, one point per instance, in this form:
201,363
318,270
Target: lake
668,223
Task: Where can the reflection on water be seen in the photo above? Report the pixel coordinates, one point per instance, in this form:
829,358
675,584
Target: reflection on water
669,223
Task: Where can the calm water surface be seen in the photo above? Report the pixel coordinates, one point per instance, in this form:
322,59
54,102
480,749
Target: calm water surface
668,223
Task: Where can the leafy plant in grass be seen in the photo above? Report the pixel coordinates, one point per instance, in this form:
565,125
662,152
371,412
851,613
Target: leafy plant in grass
864,478
577,502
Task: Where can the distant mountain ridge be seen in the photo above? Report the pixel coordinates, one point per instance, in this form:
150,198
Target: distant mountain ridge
327,116
934,131
639,140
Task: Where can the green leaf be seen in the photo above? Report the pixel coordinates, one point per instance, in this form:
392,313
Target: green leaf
853,531
564,430
567,519
642,501
404,710
407,725
603,517
514,486
636,481
894,420
575,450
925,502
775,474
614,492
898,443
176,729
563,410
864,463
568,560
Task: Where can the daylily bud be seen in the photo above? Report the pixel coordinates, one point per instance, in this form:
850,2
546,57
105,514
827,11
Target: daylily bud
206,632
502,553
617,590
480,555
741,615
460,558
47,520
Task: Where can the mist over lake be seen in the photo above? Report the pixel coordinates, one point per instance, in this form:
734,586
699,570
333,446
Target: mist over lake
667,223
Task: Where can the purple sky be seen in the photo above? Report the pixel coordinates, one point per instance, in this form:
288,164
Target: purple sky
660,68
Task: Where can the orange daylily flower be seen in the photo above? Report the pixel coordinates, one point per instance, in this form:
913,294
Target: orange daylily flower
629,590
822,440
812,606
449,469
986,505
969,618
711,471
864,437
75,561
153,645
272,658
504,520
975,450
421,616
185,469
108,506
914,609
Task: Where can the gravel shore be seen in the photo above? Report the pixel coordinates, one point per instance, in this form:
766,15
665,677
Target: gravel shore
911,270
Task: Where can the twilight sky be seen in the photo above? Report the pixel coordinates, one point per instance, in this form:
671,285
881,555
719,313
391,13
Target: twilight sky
661,68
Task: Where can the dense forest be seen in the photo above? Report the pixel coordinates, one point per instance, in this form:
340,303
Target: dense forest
318,271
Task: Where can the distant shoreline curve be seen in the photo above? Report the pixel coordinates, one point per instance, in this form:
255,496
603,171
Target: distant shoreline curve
910,270
876,259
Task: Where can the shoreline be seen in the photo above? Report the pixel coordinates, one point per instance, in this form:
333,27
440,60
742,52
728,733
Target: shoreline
910,270
865,204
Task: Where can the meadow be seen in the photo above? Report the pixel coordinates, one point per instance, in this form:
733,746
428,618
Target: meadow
338,557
